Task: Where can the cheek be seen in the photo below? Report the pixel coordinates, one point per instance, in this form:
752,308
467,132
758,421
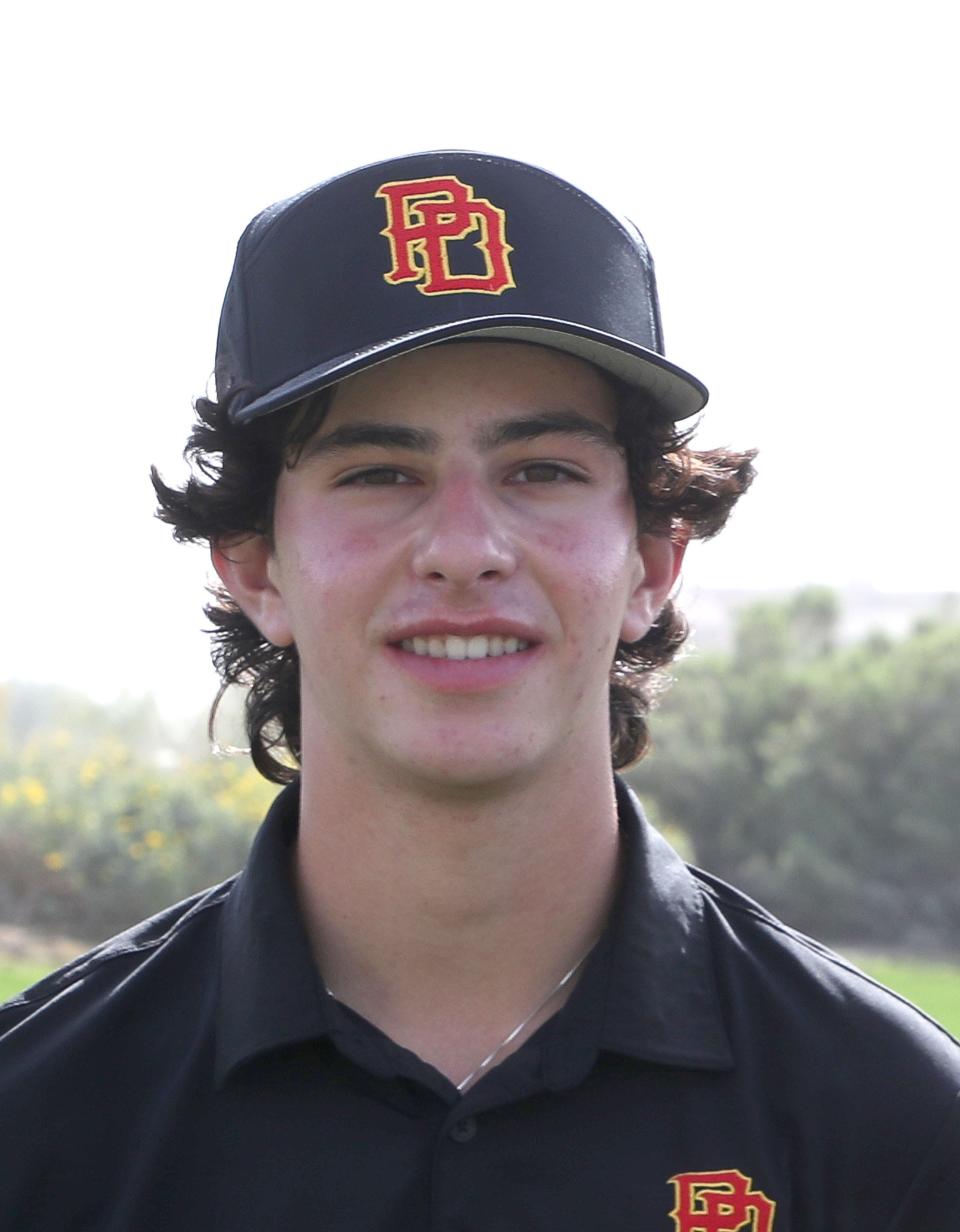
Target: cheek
596,558
593,573
327,570
322,541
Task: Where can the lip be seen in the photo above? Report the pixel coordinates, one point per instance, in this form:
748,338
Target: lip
477,627
462,675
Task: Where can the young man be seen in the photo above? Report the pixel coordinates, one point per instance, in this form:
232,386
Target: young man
461,983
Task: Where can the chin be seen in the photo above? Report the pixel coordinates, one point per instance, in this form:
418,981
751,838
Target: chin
472,773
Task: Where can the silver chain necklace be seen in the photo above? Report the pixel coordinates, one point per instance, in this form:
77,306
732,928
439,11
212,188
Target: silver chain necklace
488,1060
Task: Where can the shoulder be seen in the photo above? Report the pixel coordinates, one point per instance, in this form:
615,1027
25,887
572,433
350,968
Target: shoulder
796,1005
90,1053
864,1083
173,950
759,951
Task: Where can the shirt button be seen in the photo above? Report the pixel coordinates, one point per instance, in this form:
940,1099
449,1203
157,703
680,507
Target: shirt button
465,1130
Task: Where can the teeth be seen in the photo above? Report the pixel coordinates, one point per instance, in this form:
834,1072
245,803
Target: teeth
453,647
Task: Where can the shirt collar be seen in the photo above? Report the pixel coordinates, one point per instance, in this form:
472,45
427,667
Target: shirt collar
270,992
648,989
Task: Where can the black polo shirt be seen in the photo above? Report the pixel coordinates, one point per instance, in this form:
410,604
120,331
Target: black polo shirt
713,1071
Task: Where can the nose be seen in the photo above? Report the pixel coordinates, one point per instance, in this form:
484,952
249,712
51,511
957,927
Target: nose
463,538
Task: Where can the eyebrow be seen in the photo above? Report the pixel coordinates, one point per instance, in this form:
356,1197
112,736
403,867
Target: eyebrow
546,423
490,437
387,435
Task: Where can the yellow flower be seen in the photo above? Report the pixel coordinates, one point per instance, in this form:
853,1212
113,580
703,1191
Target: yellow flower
55,860
9,793
34,792
90,771
124,824
154,839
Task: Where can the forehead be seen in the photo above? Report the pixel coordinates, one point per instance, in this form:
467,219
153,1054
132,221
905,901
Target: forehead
458,386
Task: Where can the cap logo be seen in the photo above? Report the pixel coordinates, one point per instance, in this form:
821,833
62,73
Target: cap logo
424,217
720,1202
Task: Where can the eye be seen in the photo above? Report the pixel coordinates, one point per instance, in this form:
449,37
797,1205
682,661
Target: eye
547,472
375,476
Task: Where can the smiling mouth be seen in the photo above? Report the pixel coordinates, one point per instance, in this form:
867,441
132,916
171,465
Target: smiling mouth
453,647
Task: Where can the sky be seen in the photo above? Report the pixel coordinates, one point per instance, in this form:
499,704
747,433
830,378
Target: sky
792,169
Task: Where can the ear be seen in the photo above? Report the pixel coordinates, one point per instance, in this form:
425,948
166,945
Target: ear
659,561
247,568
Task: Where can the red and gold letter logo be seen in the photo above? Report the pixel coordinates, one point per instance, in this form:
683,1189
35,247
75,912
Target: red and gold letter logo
720,1202
424,216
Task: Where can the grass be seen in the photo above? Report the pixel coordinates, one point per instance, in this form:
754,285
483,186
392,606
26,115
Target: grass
933,986
14,977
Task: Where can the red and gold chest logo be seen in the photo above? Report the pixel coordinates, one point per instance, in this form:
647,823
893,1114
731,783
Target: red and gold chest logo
424,217
720,1202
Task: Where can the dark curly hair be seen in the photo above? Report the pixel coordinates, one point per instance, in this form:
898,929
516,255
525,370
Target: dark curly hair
677,491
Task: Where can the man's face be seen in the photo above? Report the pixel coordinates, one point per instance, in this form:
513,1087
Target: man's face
455,557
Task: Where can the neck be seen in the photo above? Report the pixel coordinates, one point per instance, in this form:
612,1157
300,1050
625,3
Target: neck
428,912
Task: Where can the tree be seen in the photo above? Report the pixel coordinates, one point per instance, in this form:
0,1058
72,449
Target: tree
823,780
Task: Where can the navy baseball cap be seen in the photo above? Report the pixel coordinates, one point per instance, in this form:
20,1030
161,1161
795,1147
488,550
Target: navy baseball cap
427,248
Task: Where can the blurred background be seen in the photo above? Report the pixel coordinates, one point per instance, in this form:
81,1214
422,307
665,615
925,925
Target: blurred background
791,169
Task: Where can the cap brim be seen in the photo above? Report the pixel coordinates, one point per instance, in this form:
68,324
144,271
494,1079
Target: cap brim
670,387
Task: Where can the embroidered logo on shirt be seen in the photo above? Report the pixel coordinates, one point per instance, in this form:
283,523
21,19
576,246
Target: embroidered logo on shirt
424,216
720,1202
